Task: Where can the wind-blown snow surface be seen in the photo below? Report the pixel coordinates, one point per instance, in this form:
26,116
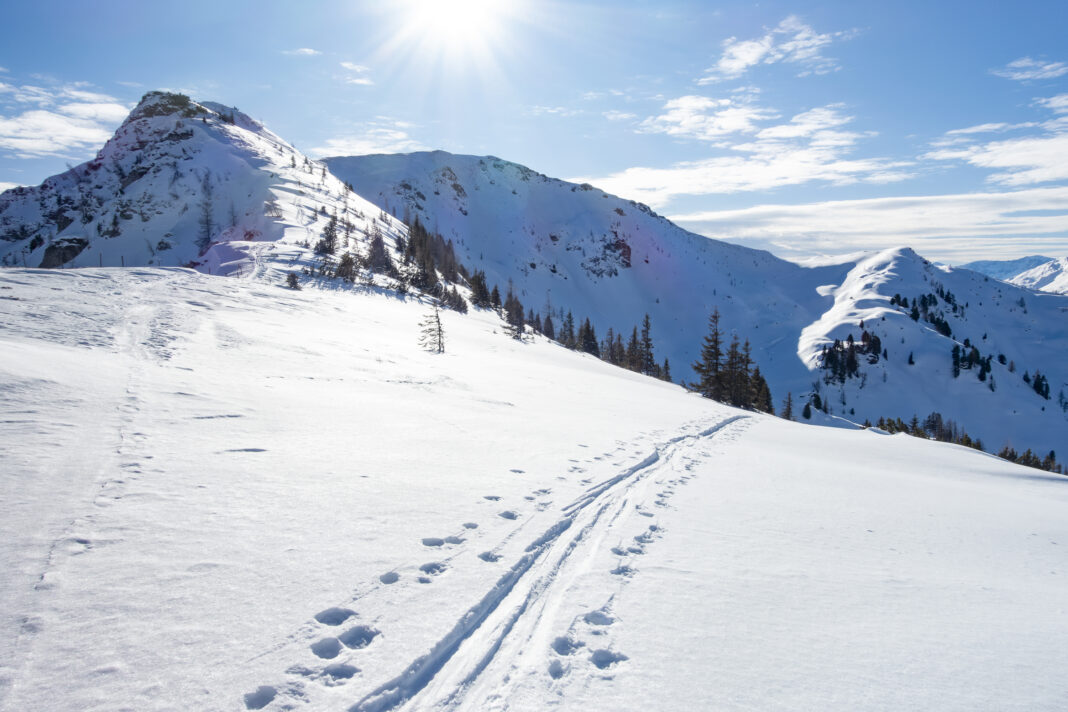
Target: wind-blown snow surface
612,260
218,494
1042,273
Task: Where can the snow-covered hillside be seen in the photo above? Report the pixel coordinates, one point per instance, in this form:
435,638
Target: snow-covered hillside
220,494
1043,273
181,183
576,247
203,185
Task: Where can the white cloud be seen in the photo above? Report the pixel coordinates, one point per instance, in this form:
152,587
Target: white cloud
613,115
947,227
47,133
706,119
357,74
382,136
302,52
1058,104
67,120
1025,160
812,146
555,111
1026,69
791,42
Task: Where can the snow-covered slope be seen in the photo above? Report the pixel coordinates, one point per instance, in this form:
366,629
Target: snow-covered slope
1043,273
576,247
220,494
1005,270
1049,277
200,184
181,183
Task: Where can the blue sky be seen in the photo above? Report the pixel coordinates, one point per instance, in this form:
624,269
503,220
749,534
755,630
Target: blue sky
804,128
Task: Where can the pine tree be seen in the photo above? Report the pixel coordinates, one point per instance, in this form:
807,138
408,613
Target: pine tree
547,327
378,259
432,336
648,365
708,368
588,339
806,412
292,281
665,371
788,407
567,332
207,219
480,294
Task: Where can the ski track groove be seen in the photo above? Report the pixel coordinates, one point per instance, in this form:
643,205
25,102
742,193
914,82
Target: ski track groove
422,671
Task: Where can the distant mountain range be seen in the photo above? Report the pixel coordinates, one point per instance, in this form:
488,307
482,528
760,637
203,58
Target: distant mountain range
199,184
1047,274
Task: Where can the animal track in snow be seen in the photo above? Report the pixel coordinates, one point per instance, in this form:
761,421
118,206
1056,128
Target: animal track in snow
470,525
489,556
340,671
623,570
327,648
604,659
565,645
508,514
454,540
433,568
598,618
557,670
433,541
263,696
358,637
334,616
389,577
491,497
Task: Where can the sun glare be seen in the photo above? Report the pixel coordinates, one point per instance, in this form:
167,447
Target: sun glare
456,29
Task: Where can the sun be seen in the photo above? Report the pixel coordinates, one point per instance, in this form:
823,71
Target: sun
453,30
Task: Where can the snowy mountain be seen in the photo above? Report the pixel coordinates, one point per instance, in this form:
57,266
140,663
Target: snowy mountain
221,494
199,184
1005,270
574,247
181,183
1042,273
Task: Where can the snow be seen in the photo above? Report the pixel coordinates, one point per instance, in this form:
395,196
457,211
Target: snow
1037,272
222,494
559,244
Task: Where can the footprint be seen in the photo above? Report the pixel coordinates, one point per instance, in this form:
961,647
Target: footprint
598,618
489,556
618,552
565,645
327,648
518,472
606,658
334,616
423,579
358,637
635,550
390,577
433,541
557,670
433,568
508,514
623,570
340,671
263,696
453,540
470,525
491,497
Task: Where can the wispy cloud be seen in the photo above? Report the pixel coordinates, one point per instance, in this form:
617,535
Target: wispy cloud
302,52
1041,157
791,42
812,146
563,111
383,135
67,120
356,74
706,119
1027,69
613,115
949,227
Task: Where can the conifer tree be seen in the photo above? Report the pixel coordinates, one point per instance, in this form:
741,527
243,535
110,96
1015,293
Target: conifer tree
647,364
788,407
432,333
709,380
548,328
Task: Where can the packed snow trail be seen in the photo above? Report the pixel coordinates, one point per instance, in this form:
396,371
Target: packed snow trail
450,669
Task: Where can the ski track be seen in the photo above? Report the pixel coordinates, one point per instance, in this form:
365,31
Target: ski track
519,606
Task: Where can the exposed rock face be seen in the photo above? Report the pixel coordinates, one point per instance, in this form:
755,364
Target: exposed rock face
63,251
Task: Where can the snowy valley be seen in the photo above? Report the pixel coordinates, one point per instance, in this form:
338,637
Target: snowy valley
234,480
